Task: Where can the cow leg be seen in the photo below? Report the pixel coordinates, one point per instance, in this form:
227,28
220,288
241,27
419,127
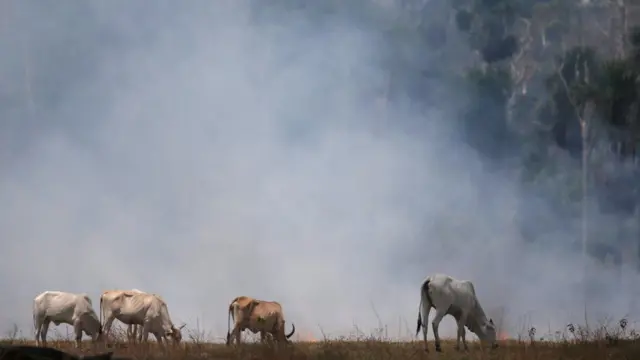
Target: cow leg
145,332
43,332
159,338
464,339
129,331
162,340
106,329
138,333
236,334
461,332
77,328
38,324
425,325
132,333
440,313
263,336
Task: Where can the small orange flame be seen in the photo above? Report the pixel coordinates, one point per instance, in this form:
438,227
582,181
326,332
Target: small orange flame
307,337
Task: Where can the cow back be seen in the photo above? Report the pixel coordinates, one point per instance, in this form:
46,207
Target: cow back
129,302
243,301
265,309
57,302
87,298
157,305
465,294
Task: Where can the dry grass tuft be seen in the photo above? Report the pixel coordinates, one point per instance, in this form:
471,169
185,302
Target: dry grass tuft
573,343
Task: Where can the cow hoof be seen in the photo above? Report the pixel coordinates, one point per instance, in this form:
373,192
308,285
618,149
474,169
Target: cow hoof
438,349
426,349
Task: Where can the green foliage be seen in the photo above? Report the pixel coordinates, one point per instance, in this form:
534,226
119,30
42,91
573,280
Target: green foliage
580,69
634,40
555,30
566,81
484,118
501,49
493,84
616,93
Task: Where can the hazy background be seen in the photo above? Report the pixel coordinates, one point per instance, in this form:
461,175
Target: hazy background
204,150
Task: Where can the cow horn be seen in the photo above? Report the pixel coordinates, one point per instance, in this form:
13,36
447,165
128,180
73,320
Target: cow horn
293,330
182,326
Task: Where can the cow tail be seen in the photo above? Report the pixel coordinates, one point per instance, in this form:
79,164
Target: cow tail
424,292
101,311
35,323
229,321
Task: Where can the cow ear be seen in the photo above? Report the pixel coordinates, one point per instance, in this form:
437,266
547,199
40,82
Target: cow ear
491,321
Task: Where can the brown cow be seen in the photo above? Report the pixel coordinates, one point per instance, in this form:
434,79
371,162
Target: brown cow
261,316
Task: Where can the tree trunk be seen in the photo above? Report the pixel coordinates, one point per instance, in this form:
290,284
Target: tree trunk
584,132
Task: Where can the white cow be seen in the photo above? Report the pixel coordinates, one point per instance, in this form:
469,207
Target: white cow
68,308
132,329
136,308
450,296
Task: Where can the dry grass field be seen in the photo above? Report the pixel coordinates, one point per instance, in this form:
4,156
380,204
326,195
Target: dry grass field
573,345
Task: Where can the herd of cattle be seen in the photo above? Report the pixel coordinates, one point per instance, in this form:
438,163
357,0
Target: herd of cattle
135,308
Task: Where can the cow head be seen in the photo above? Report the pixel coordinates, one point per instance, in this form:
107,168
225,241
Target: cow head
248,309
488,333
92,326
245,310
176,333
99,335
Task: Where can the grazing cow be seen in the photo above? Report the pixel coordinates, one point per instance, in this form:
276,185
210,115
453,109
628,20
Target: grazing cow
29,352
108,295
137,308
261,316
132,330
457,298
65,308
